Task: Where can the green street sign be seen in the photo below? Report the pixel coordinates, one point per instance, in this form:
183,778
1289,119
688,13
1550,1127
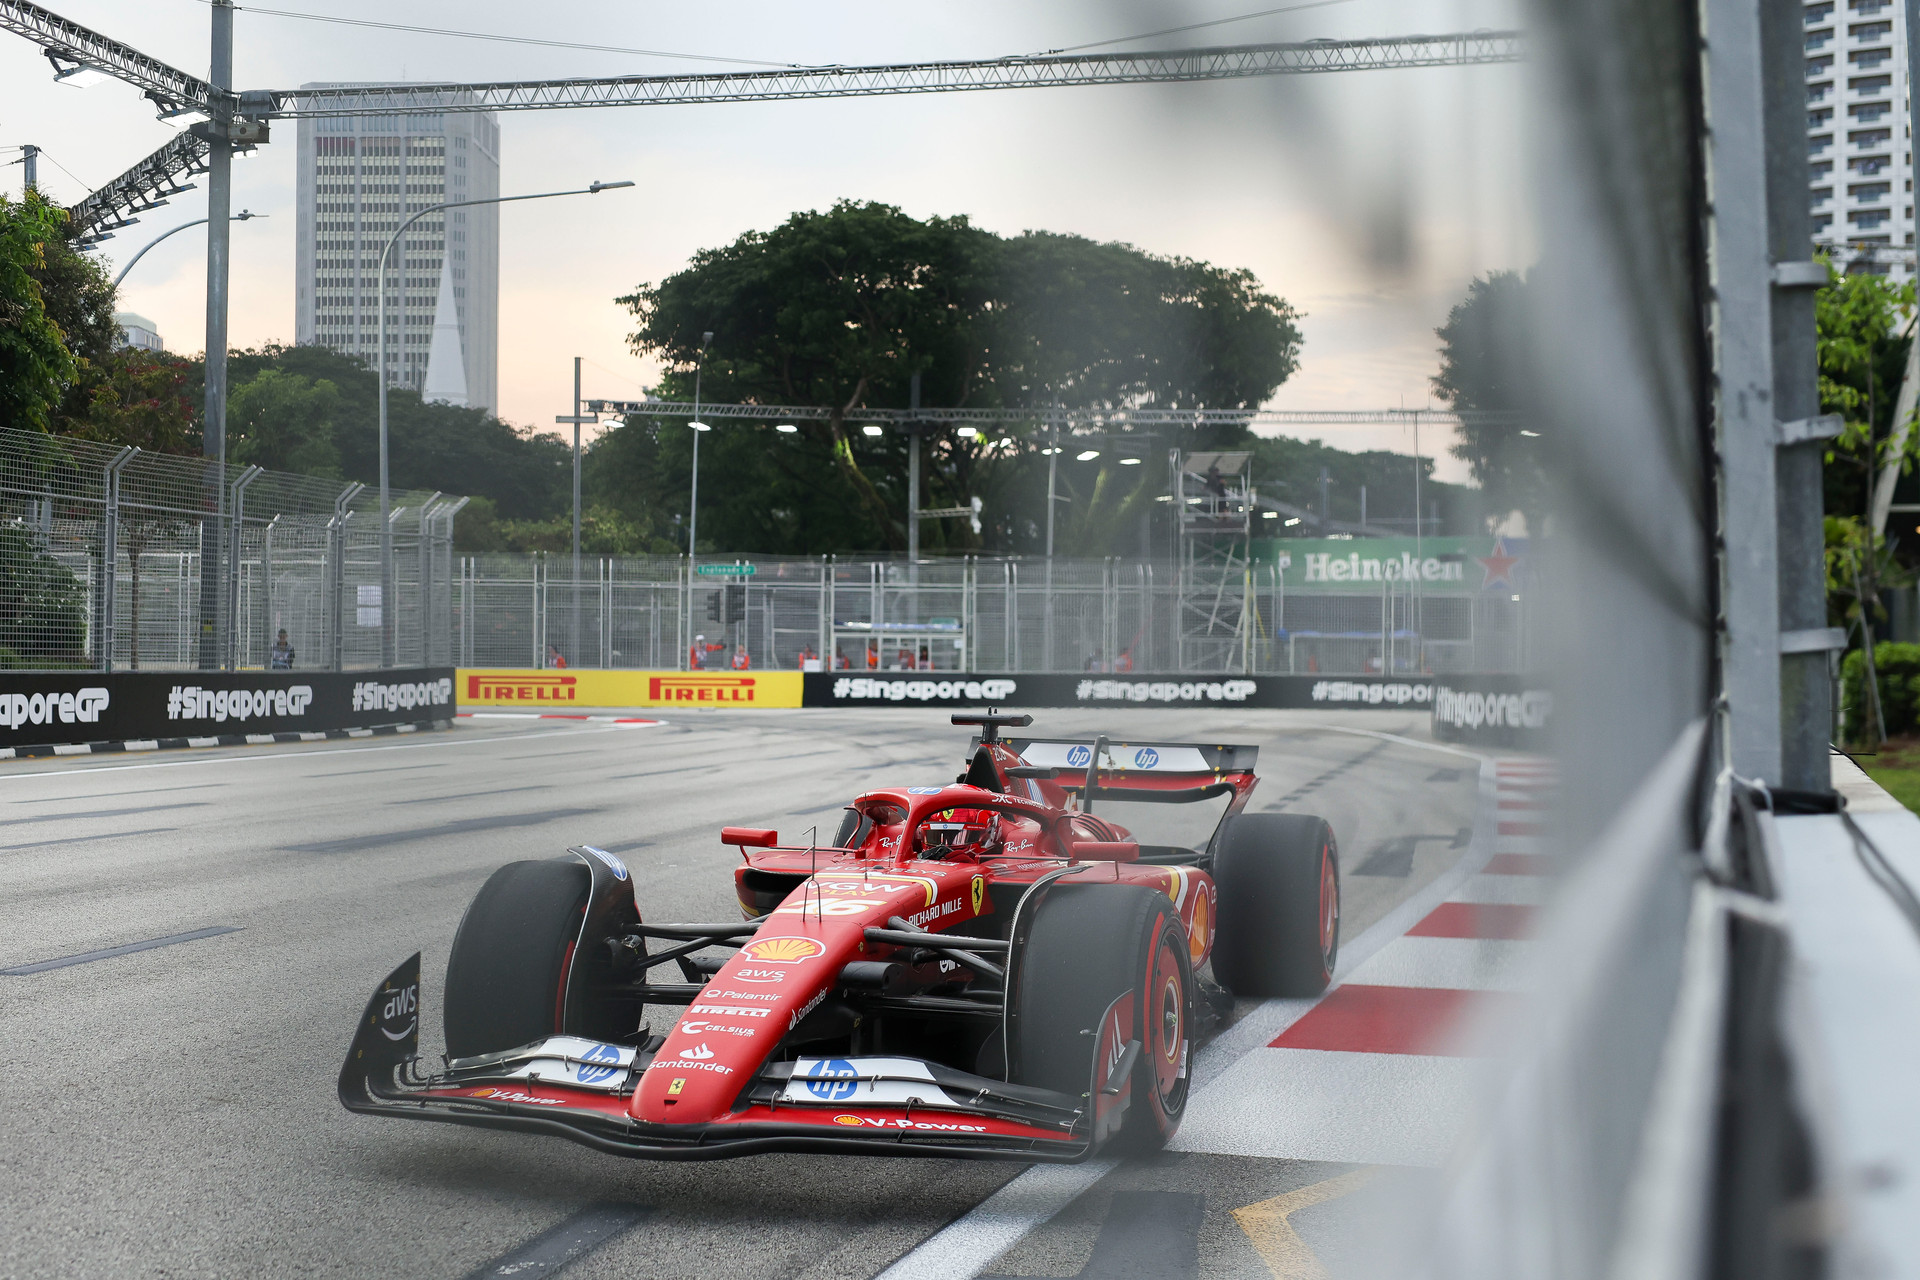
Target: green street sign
724,570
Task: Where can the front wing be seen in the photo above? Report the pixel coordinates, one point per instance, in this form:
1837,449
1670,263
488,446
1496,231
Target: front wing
579,1089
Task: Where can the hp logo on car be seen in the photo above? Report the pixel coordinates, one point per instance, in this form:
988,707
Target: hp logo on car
1078,756
586,1074
832,1079
1146,758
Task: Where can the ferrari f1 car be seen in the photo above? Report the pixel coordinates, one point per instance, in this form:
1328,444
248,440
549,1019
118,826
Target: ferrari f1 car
994,968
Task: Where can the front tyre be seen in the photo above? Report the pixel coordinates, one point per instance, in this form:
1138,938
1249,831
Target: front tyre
1278,876
507,974
1089,945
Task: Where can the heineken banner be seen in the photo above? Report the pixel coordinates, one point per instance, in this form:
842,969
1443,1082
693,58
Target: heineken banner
932,689
56,708
1450,566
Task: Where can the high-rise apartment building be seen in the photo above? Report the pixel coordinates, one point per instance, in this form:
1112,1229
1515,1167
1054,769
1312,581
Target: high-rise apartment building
359,178
1857,138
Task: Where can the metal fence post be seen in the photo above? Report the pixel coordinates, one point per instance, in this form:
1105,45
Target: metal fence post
337,586
428,511
110,554
266,588
235,566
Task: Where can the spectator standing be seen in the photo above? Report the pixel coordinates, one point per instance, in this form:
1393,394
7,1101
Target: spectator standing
280,656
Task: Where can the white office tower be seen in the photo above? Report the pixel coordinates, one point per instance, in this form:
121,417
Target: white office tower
1860,155
359,178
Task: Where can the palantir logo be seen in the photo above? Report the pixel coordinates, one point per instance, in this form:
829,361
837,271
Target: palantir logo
832,1079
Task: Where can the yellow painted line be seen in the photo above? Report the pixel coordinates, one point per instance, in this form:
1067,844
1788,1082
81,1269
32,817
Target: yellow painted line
1274,1238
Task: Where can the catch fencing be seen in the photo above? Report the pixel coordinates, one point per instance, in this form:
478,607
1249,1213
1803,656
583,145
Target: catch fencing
973,614
118,559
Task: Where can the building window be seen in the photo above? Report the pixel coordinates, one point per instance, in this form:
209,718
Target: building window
1866,59
1819,116
1870,84
1818,13
1819,39
1866,165
1868,111
1822,223
1869,191
1870,30
1870,137
1822,169
1816,145
1867,6
1817,92
1864,218
1822,194
1820,65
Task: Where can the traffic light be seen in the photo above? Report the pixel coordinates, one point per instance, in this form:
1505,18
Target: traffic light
736,603
713,606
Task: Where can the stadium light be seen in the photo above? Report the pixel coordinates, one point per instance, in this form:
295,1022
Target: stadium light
786,428
969,433
1087,455
1269,515
872,429
1131,462
699,426
1294,521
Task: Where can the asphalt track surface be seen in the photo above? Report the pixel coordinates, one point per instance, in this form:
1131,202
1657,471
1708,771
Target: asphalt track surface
172,1113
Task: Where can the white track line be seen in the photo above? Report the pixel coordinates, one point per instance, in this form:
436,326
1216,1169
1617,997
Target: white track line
969,1244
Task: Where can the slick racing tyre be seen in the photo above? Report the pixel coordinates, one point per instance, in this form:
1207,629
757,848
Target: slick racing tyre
1089,944
508,970
1278,928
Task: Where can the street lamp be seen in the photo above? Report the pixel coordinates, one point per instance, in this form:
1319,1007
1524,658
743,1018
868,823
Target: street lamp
386,527
693,499
242,216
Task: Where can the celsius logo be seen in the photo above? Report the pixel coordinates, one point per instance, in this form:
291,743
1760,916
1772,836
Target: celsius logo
1079,756
401,1005
83,706
1146,758
605,1065
832,1079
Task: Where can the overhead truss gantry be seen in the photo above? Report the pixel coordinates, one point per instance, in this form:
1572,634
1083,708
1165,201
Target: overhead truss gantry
1108,419
175,92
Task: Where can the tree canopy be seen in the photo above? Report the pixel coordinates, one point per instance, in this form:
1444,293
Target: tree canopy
1483,368
843,308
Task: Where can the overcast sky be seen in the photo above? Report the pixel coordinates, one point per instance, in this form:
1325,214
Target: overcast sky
1294,179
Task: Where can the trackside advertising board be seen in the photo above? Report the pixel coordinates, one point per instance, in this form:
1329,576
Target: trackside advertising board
1503,711
575,689
835,689
56,708
1440,566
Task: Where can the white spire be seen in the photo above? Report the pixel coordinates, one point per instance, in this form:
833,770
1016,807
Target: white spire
446,367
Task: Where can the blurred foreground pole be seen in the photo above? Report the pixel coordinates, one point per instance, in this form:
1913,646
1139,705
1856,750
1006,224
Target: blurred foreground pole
218,133
1773,647
1806,691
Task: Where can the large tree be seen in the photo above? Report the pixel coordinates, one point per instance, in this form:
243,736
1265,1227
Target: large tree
1484,370
842,308
37,366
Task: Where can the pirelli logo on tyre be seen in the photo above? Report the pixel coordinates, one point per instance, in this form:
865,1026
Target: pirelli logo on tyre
574,689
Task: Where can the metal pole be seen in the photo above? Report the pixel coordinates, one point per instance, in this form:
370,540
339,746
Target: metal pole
575,640
219,228
30,159
231,631
243,216
110,554
429,511
913,476
693,499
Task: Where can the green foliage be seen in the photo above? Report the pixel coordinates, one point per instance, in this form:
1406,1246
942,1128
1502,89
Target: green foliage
1288,470
842,308
1483,367
284,421
1862,355
42,604
139,398
1898,666
36,364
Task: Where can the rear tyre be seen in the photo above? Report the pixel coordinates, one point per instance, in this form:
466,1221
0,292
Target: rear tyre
1090,944
1278,876
506,976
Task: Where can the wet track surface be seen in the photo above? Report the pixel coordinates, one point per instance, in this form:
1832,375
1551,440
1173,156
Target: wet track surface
172,1110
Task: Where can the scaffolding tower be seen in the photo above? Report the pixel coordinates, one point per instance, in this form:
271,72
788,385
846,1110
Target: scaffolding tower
1213,501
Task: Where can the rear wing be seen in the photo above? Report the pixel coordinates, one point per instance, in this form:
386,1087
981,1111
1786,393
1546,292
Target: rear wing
1192,759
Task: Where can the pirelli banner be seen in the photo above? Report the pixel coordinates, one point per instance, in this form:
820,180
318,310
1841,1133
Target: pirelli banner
564,690
1386,693
59,708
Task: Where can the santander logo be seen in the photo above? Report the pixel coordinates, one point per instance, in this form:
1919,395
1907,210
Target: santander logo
699,1052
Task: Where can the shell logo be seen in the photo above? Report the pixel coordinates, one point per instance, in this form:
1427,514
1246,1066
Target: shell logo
847,1120
782,950
1202,924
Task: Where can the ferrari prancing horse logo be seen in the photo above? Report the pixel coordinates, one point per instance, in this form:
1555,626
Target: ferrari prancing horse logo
979,893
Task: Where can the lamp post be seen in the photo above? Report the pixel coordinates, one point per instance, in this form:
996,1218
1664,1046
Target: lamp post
386,527
693,499
576,420
242,216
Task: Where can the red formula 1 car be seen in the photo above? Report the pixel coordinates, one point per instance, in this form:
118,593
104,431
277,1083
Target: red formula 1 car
992,968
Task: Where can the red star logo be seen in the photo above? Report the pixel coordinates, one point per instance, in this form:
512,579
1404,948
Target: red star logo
1498,566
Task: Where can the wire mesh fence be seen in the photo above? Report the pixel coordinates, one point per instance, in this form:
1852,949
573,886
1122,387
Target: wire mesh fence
112,558
966,614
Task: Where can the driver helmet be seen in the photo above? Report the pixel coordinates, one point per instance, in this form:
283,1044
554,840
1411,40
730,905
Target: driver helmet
962,830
